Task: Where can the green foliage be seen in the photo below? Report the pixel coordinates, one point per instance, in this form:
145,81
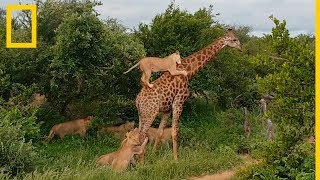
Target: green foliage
18,112
27,120
205,120
22,68
79,51
280,36
59,10
124,48
230,78
298,164
17,155
91,59
292,82
178,30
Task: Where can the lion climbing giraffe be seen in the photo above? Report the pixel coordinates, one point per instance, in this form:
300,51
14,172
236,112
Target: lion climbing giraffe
170,92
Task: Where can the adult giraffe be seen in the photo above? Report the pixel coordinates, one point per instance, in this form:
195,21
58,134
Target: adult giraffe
170,92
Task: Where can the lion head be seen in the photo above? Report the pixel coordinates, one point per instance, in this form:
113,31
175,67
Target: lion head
129,126
133,137
176,57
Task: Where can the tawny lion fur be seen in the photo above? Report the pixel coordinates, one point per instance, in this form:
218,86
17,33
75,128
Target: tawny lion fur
78,126
164,137
121,159
153,64
119,131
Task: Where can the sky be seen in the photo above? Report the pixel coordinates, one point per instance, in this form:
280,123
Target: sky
299,14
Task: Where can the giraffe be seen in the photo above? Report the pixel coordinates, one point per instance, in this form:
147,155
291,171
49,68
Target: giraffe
170,92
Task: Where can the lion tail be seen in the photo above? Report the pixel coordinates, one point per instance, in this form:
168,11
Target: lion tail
132,68
50,136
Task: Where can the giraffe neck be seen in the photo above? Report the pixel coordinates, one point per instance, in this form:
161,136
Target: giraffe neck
195,62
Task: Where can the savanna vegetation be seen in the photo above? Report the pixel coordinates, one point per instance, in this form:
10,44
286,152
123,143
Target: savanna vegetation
79,63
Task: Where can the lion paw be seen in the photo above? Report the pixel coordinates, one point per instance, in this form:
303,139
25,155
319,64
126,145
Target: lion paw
185,73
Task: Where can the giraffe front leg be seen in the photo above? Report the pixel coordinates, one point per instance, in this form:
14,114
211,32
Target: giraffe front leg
146,121
177,107
175,129
141,154
163,123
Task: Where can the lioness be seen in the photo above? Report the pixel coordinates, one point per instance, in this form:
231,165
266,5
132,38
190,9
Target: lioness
121,159
154,64
78,126
119,131
153,134
37,100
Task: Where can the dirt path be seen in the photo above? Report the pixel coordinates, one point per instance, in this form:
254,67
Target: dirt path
228,174
219,176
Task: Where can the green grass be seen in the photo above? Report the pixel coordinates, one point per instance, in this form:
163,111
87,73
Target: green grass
208,143
75,159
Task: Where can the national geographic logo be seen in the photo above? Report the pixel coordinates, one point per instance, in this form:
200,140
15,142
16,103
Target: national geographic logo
33,9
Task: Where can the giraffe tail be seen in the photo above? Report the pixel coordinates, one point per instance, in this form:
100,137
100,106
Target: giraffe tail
132,68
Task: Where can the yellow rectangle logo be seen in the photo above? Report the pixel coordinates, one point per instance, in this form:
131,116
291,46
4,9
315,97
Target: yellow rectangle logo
33,9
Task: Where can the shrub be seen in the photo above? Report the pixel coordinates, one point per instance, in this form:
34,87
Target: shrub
17,155
292,110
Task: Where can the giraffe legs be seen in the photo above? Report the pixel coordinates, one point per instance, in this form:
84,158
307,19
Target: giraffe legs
177,107
163,123
145,123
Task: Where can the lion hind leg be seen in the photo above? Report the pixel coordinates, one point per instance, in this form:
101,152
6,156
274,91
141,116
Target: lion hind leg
62,136
82,133
147,77
106,159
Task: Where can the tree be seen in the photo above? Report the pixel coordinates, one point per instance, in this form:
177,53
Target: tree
78,57
47,25
178,30
292,81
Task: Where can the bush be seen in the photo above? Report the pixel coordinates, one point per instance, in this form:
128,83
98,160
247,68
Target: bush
292,110
17,155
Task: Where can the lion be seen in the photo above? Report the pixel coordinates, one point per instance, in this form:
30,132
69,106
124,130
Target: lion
121,159
118,131
164,137
78,126
153,64
37,100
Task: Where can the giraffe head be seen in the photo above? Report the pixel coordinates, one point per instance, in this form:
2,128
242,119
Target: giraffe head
231,40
